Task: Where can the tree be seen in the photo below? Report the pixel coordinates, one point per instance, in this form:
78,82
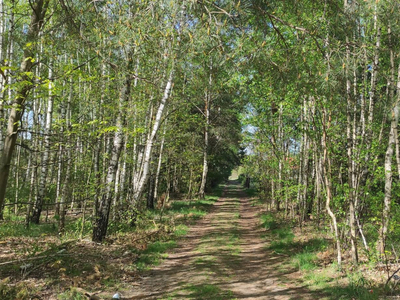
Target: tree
24,85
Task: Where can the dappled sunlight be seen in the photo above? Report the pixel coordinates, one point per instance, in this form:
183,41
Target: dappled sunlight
222,257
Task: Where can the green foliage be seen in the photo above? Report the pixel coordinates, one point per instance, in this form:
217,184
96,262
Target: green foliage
181,230
17,229
276,76
193,209
284,241
358,288
207,291
303,256
201,291
268,221
73,294
76,228
20,291
153,254
305,261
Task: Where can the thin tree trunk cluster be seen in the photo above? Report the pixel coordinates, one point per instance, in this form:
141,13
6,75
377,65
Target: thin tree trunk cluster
102,117
340,119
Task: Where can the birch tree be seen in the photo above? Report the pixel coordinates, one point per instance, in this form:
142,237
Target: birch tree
26,84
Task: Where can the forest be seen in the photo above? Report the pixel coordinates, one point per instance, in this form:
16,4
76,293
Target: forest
112,110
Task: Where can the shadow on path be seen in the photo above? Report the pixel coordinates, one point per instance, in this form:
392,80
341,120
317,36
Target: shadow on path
222,257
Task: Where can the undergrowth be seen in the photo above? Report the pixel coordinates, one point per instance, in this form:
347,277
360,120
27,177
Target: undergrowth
153,255
20,291
301,254
72,294
72,257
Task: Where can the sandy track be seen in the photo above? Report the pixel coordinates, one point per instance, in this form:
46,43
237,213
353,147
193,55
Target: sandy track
222,257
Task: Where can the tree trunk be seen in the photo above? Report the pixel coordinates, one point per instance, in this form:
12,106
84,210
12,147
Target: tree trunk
33,157
157,179
328,184
150,195
388,171
350,160
143,173
65,188
207,102
103,209
37,209
64,195
39,8
2,79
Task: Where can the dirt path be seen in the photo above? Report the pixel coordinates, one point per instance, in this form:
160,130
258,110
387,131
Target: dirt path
222,257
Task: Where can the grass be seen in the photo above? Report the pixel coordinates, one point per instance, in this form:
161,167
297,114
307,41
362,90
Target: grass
218,249
302,255
207,291
207,262
268,221
71,295
201,292
283,238
251,192
355,286
305,261
18,229
191,210
181,230
306,258
153,255
20,291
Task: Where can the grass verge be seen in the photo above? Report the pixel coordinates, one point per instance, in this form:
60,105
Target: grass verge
302,253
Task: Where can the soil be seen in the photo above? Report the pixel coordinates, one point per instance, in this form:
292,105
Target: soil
223,256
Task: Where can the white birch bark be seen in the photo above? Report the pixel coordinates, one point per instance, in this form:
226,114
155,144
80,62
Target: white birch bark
116,191
143,173
351,141
207,103
301,171
157,179
388,171
34,154
375,67
64,195
282,157
307,204
61,153
103,209
37,17
328,185
123,179
205,150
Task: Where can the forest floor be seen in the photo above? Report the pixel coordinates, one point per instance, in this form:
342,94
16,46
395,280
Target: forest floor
226,247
